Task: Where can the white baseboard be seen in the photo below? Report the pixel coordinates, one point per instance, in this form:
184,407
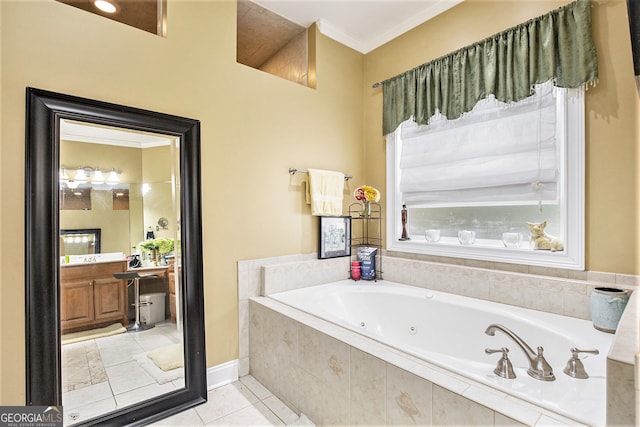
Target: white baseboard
222,374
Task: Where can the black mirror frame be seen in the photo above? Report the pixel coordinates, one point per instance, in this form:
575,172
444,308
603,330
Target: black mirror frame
44,110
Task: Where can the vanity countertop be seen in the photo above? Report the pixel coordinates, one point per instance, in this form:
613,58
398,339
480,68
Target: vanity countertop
160,270
71,260
155,267
79,264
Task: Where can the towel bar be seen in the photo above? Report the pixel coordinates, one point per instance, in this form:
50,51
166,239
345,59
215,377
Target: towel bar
293,171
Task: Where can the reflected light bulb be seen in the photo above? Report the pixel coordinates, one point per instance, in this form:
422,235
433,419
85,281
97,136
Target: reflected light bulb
113,177
80,175
105,6
98,178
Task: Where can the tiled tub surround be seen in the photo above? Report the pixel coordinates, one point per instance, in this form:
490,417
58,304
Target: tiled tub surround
622,382
558,294
338,377
562,292
448,331
279,273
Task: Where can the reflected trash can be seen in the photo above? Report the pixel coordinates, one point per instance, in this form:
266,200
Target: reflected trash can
152,308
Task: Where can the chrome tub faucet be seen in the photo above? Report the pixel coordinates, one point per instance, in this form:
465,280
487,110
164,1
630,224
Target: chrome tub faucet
539,368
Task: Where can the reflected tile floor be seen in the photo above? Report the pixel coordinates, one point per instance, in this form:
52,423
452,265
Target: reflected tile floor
242,403
102,374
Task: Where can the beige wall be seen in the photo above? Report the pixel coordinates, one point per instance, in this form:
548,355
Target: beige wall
612,110
254,127
158,202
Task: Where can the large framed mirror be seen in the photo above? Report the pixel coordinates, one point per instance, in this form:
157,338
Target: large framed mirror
85,309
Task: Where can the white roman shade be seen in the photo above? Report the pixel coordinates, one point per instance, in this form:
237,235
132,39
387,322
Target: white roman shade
496,154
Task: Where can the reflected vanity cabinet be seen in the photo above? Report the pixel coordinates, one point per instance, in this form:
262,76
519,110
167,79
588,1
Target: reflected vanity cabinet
90,297
172,287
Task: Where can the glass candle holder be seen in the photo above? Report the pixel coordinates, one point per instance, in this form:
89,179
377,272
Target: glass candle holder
432,235
511,240
466,237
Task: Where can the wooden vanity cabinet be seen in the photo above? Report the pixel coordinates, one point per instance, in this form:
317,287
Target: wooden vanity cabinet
90,297
172,288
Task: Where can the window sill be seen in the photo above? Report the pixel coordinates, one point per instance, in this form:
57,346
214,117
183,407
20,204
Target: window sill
490,250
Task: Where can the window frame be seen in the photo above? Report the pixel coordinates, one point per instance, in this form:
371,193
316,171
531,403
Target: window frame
571,129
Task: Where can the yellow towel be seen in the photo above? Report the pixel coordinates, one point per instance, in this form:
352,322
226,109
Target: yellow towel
325,191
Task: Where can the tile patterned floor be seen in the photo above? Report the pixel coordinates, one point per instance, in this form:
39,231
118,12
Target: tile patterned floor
102,375
242,403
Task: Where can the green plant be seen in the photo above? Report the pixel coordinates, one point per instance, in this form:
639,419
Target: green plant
165,245
162,245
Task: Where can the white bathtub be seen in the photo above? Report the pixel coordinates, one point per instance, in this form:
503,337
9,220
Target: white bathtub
449,331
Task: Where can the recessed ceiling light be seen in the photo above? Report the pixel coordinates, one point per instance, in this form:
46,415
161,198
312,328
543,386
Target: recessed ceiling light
106,6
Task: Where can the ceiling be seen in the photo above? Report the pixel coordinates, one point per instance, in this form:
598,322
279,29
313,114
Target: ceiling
362,25
71,130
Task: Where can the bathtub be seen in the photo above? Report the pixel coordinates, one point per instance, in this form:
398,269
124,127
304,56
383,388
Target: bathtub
449,331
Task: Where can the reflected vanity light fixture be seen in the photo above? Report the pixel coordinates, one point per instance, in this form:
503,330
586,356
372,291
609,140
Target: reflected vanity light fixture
114,178
85,175
98,177
81,175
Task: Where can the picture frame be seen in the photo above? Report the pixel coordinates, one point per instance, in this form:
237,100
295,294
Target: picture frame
334,237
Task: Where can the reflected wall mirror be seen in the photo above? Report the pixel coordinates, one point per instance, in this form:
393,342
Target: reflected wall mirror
80,241
74,290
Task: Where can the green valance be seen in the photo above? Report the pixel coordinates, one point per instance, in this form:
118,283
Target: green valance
558,45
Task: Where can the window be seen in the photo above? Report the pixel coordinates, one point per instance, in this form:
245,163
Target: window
488,173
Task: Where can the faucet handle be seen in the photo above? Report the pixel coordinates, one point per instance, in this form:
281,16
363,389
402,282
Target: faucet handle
540,368
504,368
575,367
575,352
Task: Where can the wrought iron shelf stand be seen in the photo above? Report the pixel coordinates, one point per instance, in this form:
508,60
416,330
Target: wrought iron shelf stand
366,231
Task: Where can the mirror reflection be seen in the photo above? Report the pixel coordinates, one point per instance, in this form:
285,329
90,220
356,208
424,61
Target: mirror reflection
119,263
79,242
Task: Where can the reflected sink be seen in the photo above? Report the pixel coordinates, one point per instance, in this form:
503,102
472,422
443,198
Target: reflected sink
90,258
